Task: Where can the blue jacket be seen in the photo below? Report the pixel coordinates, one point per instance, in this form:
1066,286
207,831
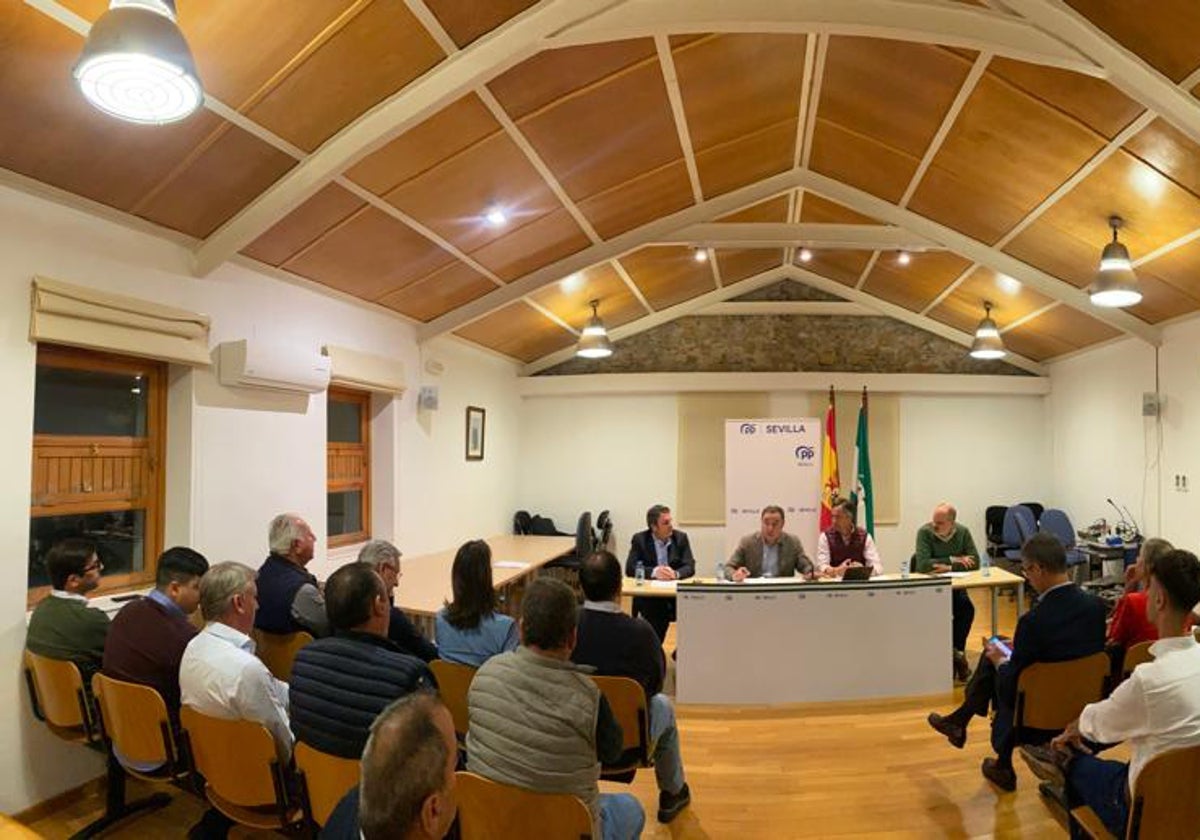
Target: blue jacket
341,683
278,582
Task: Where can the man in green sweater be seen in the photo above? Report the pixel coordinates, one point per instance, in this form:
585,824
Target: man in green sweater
944,546
63,626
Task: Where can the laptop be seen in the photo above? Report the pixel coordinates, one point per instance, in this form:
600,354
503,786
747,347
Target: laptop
857,573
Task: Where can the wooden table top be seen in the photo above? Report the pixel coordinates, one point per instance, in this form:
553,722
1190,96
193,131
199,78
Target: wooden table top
971,580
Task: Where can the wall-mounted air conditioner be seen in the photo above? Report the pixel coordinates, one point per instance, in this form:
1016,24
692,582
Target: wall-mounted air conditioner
276,367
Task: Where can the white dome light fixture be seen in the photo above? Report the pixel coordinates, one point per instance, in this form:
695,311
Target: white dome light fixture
988,344
136,65
1115,285
593,342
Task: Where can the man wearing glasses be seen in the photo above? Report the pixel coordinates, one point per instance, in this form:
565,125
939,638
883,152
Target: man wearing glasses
64,626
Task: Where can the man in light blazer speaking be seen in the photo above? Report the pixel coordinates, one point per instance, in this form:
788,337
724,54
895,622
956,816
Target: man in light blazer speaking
769,552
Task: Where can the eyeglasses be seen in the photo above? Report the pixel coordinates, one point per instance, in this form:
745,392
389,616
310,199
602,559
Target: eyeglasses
93,567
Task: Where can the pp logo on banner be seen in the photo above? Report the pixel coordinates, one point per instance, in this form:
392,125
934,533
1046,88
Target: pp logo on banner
748,428
805,453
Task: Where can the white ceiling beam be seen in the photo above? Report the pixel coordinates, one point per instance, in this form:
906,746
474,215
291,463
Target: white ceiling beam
787,307
955,25
459,74
688,307
806,235
978,252
899,313
1124,69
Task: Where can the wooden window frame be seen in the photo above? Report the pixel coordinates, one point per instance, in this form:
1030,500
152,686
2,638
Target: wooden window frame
153,498
338,450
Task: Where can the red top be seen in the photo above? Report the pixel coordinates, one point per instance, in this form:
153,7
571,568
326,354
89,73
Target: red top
1129,623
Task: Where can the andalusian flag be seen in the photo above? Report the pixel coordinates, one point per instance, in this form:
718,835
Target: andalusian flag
863,496
830,484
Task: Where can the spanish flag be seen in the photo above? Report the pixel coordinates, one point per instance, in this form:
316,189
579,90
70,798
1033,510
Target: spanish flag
830,485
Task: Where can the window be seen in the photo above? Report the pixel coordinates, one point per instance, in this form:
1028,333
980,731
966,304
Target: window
97,462
348,490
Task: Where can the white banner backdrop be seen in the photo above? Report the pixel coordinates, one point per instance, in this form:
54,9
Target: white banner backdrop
773,462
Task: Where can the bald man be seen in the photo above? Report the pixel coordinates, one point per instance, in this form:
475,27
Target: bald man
943,546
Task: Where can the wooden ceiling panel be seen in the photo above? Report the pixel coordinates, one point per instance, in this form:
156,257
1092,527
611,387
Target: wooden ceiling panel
544,240
820,210
668,275
1066,241
1012,300
737,264
453,197
518,330
843,266
1092,101
648,197
735,88
1161,300
464,22
368,256
553,74
1169,151
1057,331
216,183
51,134
445,289
915,285
1004,155
303,225
772,210
1166,36
448,132
608,134
378,52
569,298
860,161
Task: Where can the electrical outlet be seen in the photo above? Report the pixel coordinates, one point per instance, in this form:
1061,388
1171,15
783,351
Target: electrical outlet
1181,483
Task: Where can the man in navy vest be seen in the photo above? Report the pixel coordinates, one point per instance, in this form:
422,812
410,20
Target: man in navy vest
289,598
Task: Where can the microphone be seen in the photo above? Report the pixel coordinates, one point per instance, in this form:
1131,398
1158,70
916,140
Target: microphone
1136,529
1117,509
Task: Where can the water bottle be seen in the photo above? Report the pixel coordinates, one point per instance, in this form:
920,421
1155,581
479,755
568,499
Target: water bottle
640,575
719,575
985,565
904,568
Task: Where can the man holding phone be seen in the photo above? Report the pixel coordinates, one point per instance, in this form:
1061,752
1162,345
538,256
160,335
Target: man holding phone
1067,623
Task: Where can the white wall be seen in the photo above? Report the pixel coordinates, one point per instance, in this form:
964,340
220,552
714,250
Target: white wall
235,457
619,452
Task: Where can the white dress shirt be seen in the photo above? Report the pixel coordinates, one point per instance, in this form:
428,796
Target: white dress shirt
1156,709
220,676
870,554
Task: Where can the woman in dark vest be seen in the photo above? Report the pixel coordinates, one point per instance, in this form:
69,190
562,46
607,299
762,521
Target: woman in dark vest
845,545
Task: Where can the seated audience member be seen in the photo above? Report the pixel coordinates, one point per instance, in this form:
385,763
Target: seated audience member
539,722
1066,623
407,791
769,551
290,597
944,546
385,558
339,684
219,674
148,636
617,645
845,545
1157,709
63,625
469,630
664,553
1129,624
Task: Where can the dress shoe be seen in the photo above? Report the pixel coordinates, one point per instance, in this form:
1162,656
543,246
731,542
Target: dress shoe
1054,794
1002,777
955,733
670,804
1046,763
962,670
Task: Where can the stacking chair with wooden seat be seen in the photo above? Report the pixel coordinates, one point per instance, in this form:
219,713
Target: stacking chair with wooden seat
454,681
278,650
324,780
1052,694
490,810
58,699
244,780
630,707
1164,804
1136,655
135,722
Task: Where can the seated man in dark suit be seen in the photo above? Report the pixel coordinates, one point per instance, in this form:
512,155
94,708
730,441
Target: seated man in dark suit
1067,623
385,558
617,645
341,683
664,554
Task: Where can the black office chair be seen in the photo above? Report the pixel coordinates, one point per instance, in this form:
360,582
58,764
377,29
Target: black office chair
993,518
543,526
522,522
605,527
1036,509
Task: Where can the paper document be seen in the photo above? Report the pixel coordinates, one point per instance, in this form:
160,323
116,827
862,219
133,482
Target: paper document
954,574
510,564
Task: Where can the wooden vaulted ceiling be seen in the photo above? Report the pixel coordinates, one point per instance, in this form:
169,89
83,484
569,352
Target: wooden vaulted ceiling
1009,154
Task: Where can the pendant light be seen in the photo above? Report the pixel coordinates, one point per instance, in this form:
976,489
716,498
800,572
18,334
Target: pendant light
136,64
1115,285
988,344
594,343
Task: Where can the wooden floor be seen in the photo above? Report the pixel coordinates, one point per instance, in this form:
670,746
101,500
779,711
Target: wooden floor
830,770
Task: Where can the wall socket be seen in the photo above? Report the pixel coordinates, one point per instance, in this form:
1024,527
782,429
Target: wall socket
1181,483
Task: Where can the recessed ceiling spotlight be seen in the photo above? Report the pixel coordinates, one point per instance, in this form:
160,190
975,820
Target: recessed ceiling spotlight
805,255
495,216
904,258
700,255
571,283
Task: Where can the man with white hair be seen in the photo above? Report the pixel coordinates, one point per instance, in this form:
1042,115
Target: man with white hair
945,546
385,558
289,598
219,674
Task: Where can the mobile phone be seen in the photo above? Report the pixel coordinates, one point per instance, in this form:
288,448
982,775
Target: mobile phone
1001,646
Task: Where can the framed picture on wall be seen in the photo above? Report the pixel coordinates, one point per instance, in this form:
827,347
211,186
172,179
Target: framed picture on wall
475,428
